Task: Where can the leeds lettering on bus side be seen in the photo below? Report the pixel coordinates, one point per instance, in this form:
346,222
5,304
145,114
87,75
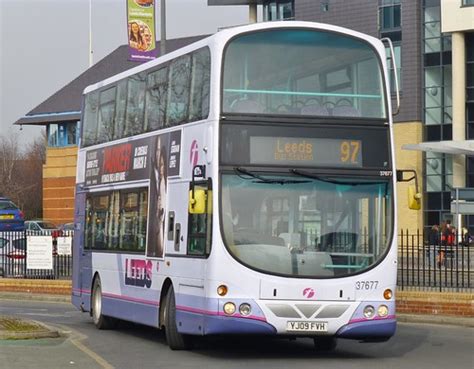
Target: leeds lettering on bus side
138,272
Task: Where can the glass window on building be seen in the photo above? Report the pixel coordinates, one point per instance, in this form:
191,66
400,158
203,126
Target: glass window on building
467,2
278,10
437,118
62,134
397,50
470,85
390,15
390,20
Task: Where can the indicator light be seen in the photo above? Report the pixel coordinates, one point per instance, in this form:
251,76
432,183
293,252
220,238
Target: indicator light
222,290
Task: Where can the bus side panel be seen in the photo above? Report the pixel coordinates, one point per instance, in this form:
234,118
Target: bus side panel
131,309
82,261
130,286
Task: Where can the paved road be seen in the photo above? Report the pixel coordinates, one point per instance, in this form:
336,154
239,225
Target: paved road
133,346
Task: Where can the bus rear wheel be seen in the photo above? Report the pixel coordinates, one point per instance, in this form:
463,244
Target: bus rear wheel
175,340
100,321
325,343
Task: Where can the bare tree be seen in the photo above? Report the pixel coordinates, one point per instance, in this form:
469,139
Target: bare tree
21,173
9,159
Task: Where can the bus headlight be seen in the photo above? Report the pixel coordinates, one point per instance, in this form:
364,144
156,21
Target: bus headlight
245,309
382,311
229,308
369,312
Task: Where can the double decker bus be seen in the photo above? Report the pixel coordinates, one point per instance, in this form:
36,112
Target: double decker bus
242,185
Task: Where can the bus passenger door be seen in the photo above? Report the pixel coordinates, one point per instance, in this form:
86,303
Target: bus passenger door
192,239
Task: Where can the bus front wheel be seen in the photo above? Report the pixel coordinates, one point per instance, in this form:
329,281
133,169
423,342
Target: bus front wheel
175,340
100,321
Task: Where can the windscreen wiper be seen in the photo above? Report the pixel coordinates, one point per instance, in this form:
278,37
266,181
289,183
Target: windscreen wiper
244,172
327,179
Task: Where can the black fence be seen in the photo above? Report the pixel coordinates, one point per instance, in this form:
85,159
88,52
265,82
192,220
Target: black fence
439,266
421,265
13,255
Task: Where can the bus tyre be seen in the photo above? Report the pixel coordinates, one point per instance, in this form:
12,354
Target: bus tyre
325,343
100,321
175,340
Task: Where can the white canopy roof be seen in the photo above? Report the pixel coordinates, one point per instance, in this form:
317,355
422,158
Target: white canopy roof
465,147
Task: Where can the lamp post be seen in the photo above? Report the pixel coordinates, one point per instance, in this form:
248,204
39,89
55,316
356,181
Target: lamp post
163,27
91,61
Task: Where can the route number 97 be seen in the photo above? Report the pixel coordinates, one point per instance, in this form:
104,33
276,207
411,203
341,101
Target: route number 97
349,151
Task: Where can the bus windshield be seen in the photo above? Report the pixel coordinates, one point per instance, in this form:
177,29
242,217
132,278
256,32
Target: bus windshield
306,226
302,72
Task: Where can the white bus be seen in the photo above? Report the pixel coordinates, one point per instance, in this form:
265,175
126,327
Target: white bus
242,185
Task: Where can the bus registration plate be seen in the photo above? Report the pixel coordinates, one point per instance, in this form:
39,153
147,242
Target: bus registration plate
306,326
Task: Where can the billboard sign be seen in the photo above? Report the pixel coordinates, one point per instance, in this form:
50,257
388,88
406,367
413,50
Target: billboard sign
141,30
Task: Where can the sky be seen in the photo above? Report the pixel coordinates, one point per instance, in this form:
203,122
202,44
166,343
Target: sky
44,44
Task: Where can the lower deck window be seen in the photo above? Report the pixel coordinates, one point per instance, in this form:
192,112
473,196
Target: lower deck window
117,220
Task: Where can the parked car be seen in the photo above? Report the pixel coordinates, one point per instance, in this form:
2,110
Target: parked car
12,255
43,227
11,217
67,227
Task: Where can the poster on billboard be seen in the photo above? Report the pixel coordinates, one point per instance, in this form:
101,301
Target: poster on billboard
141,30
39,252
166,160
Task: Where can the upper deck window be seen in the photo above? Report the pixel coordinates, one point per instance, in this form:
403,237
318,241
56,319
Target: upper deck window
172,93
302,72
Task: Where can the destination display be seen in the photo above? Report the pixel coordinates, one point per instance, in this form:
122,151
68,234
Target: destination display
305,146
306,151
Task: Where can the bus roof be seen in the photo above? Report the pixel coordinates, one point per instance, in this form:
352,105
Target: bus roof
220,39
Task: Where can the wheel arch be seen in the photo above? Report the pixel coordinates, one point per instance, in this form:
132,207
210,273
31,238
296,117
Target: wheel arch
94,278
167,284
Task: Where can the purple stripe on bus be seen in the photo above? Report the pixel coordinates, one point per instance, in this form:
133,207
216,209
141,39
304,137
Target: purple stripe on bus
85,292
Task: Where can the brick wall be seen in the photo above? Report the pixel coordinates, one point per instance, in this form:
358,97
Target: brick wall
408,133
436,303
52,287
59,177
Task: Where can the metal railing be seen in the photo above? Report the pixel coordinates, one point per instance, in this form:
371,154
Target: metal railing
14,248
421,266
434,267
